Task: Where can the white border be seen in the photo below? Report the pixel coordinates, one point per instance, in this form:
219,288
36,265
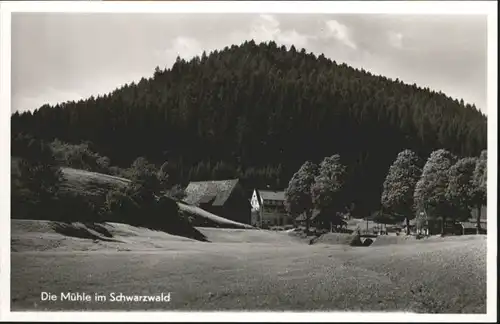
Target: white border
492,162
370,7
409,7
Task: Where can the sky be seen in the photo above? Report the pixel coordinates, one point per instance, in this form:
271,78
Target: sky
58,57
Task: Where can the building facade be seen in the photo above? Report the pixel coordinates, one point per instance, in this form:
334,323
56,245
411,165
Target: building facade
268,209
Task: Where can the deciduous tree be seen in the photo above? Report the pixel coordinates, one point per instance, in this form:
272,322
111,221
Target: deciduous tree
479,187
36,179
460,187
430,190
399,186
298,198
326,190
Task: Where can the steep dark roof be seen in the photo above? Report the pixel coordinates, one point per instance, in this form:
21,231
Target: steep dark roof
271,195
206,191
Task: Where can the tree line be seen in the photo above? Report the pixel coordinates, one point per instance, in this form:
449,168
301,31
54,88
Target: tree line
444,188
254,111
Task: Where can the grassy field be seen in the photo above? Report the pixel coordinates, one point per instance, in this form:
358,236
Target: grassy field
246,270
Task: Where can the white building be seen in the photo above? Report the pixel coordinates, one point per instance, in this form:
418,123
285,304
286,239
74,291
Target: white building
268,208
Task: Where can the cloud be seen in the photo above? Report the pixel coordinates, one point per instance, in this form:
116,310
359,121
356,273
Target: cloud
395,39
184,47
294,38
340,32
267,28
263,28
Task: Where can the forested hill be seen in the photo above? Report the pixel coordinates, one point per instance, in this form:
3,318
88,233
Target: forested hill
263,110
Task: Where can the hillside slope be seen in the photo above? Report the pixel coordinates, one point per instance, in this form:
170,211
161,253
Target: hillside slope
257,111
96,184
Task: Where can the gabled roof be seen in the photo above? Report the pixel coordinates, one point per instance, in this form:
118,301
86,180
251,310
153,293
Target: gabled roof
271,195
204,192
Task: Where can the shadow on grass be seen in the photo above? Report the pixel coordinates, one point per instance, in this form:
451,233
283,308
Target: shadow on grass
96,231
183,229
84,231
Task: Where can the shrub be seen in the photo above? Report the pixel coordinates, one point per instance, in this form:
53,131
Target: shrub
177,192
103,164
35,179
121,208
79,156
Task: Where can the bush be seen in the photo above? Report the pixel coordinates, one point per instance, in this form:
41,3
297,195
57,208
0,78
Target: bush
35,178
121,208
116,171
177,192
79,156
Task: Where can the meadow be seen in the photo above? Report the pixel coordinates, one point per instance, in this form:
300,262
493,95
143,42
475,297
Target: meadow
242,269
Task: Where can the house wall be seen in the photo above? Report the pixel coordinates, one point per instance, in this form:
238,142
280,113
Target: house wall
268,212
276,219
255,218
273,213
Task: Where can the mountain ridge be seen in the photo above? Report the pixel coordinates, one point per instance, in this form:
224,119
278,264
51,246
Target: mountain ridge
258,111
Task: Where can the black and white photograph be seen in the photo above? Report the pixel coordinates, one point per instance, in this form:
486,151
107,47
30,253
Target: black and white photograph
250,160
